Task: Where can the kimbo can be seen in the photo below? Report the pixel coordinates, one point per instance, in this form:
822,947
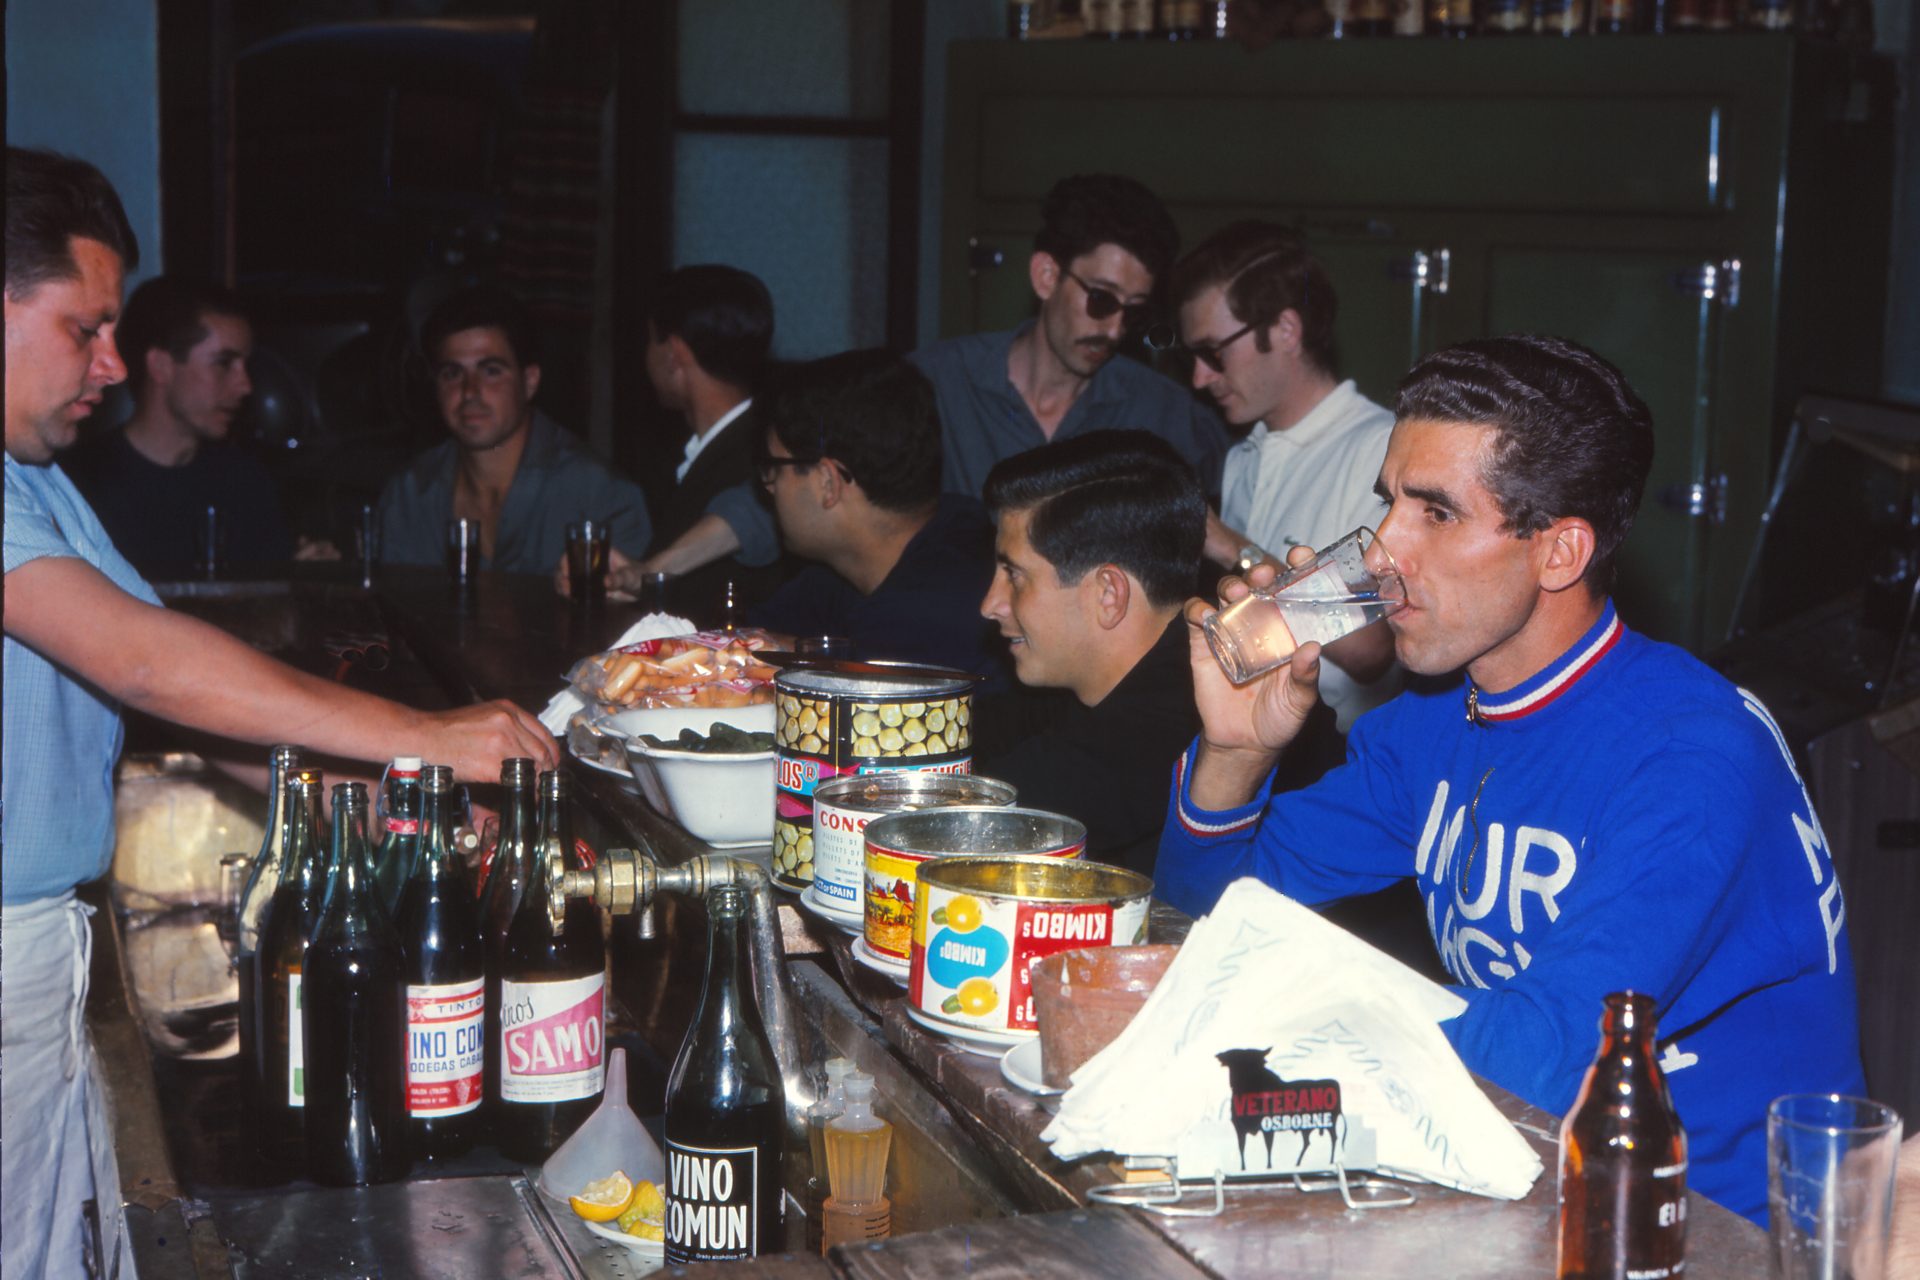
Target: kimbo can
899,844
827,724
979,924
843,807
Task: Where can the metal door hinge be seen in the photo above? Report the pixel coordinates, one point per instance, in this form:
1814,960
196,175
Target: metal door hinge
1431,270
1712,281
983,257
1706,499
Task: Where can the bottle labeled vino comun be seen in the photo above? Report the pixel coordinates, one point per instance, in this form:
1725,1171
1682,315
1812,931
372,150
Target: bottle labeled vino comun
553,1019
354,1002
446,986
279,1091
726,1110
1623,1159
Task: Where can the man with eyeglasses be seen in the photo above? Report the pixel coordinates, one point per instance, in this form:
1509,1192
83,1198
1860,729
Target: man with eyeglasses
852,465
1256,312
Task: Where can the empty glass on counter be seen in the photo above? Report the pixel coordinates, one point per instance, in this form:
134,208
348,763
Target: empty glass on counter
1332,595
1830,1162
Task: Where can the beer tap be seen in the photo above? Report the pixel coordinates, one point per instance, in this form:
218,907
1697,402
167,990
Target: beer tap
625,881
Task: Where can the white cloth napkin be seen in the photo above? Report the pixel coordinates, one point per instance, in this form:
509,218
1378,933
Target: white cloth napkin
566,703
1314,1004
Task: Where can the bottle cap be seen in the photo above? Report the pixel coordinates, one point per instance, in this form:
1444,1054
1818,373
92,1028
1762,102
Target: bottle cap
406,764
839,1068
859,1087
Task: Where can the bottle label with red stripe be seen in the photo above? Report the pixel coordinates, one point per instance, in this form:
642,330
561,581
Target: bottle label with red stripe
553,1039
446,1040
403,826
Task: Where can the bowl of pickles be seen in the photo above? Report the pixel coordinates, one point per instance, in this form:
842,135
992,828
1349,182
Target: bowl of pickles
718,784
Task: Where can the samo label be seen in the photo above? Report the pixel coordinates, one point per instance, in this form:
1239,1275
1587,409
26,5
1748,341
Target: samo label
296,1044
553,1039
711,1203
446,1044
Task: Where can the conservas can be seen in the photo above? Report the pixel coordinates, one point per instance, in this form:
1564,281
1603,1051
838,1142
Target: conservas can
897,846
843,807
979,924
827,724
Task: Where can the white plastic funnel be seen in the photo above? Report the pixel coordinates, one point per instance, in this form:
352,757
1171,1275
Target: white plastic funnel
612,1138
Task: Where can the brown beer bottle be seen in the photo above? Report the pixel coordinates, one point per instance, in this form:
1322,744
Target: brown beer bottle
1623,1158
553,1022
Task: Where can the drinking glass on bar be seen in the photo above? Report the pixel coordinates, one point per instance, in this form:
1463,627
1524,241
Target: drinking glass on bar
1332,595
366,542
1830,1163
209,543
463,549
587,543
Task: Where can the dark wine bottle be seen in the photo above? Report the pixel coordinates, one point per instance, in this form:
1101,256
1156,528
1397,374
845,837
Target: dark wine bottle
279,1091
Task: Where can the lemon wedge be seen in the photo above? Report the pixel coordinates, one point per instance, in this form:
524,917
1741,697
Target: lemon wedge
604,1200
646,1214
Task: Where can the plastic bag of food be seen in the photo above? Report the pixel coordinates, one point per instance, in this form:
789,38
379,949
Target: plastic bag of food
704,669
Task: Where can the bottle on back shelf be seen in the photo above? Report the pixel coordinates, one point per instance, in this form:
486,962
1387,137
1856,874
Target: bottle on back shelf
263,881
726,1109
285,930
439,931
393,863
553,1023
355,1010
1623,1158
506,883
857,1145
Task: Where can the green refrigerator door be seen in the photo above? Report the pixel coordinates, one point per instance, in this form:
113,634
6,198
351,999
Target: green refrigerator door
1643,311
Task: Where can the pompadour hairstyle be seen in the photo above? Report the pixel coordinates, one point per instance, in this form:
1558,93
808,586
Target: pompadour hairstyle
1088,210
1266,270
1109,497
482,307
1571,437
52,198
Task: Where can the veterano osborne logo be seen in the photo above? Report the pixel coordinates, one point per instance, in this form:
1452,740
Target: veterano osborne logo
1265,1104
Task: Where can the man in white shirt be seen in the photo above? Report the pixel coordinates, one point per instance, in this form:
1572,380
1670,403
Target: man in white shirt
1256,312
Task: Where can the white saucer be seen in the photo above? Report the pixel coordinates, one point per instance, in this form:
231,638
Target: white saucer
619,771
645,1248
1021,1067
853,922
880,964
973,1039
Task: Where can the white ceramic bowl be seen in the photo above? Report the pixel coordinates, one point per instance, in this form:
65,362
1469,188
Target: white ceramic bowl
724,798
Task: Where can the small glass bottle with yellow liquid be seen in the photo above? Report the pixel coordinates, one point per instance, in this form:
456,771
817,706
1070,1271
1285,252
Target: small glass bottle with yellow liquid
857,1144
830,1103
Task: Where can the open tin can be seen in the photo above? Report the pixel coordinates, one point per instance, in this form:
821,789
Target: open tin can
979,924
828,723
843,807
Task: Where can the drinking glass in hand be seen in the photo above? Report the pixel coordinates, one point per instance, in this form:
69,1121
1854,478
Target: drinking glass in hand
1330,596
587,542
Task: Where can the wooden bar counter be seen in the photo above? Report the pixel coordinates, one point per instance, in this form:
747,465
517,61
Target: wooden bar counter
976,1192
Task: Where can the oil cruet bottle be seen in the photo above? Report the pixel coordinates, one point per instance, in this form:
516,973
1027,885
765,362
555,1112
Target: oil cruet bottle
1623,1158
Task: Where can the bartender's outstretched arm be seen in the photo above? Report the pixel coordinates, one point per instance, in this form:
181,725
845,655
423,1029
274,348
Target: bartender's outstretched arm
1243,728
190,672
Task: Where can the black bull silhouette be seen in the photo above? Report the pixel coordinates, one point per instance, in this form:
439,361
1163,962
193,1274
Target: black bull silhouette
1259,1096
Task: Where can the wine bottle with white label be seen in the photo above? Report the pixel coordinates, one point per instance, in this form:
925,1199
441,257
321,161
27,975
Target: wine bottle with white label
446,986
726,1110
553,1022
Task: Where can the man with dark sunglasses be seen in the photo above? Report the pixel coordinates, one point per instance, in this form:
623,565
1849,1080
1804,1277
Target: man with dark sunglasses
1256,313
1104,243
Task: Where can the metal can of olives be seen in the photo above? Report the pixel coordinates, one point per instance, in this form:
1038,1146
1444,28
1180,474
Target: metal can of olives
828,724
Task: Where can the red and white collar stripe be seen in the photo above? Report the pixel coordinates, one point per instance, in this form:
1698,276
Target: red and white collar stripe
1195,825
1552,683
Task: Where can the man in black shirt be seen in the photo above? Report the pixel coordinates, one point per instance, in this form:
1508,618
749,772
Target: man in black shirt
852,464
186,347
1098,544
